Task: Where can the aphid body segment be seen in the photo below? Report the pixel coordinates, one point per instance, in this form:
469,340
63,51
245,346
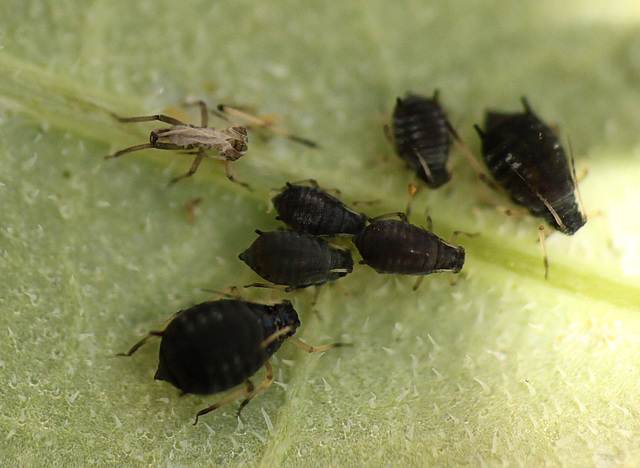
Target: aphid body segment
296,259
524,156
422,135
214,346
311,210
396,246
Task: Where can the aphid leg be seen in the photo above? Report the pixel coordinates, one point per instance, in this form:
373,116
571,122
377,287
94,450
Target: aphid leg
130,149
418,283
516,213
150,118
314,301
248,388
194,167
268,379
150,335
576,180
395,214
264,124
412,190
429,223
204,112
462,233
231,292
543,246
278,287
311,182
229,170
314,349
525,103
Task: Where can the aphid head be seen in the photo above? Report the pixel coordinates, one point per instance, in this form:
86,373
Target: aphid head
571,222
341,263
455,259
286,316
238,138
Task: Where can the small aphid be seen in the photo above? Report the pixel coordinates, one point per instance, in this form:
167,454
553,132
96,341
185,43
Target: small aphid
311,210
525,157
231,143
396,246
422,135
217,345
296,259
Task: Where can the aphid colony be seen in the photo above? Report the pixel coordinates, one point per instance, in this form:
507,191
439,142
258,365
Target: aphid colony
218,345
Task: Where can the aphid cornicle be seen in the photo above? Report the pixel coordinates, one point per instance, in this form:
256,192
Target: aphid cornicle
525,157
422,136
309,209
231,143
296,259
217,345
396,246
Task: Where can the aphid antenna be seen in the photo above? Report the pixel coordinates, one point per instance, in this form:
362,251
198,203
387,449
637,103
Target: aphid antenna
553,212
467,153
264,124
274,336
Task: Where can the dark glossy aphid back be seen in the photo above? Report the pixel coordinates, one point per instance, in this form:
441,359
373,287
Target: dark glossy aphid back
312,210
215,346
422,135
296,259
395,246
525,156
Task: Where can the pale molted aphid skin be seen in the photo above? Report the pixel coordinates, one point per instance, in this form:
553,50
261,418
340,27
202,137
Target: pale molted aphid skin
526,158
231,143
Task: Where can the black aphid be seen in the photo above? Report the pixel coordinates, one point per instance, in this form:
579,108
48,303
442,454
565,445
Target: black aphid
217,345
396,246
524,156
312,210
422,135
296,259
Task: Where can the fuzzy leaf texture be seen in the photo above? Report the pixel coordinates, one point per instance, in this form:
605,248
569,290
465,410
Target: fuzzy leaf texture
502,368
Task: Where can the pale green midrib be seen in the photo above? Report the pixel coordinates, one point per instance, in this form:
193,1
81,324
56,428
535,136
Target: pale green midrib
44,96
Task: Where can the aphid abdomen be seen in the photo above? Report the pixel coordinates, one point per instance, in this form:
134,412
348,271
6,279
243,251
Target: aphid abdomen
289,258
211,347
312,210
526,158
393,246
422,138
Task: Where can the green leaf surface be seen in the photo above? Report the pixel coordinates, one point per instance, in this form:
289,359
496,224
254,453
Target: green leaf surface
503,368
